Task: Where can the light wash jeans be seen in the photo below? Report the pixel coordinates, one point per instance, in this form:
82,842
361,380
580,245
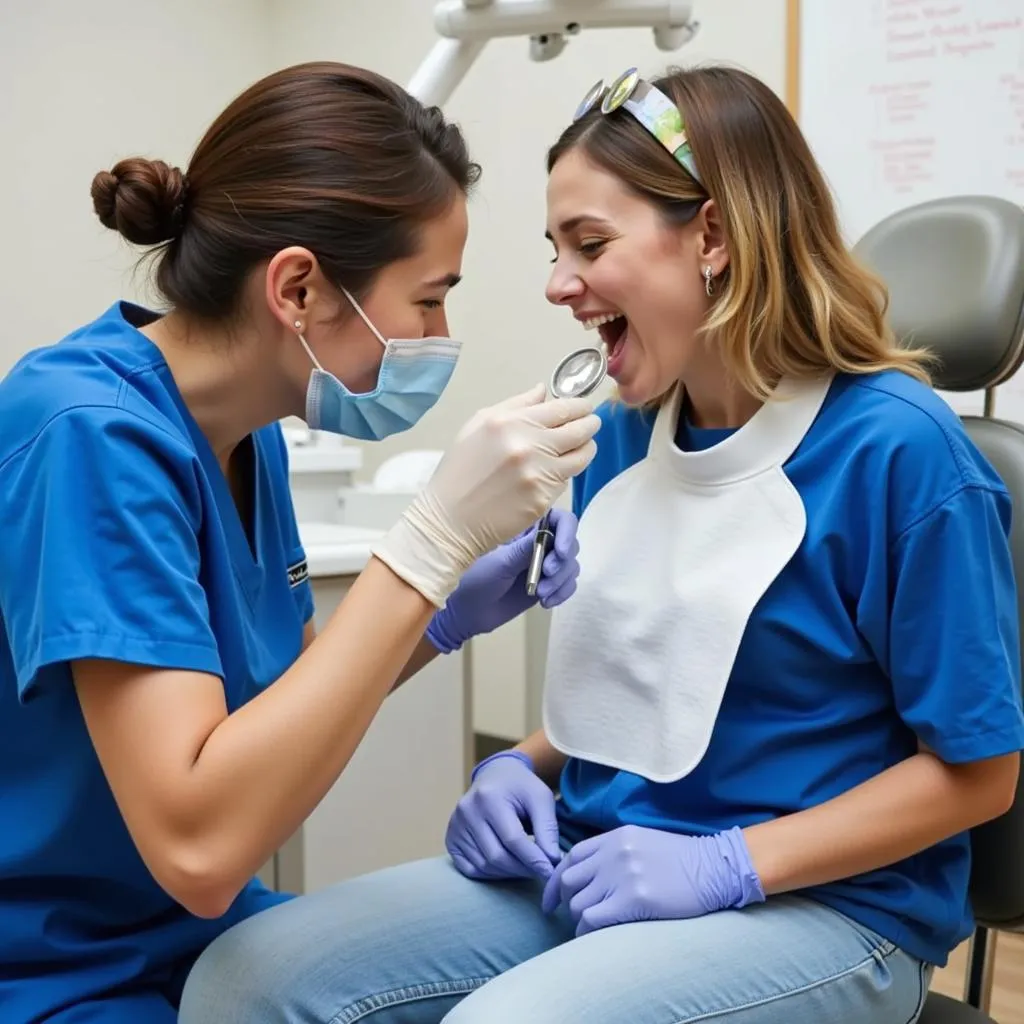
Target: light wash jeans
419,944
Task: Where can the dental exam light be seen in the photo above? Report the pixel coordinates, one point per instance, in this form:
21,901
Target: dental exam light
466,26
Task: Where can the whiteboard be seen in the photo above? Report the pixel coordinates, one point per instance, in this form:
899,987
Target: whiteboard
903,101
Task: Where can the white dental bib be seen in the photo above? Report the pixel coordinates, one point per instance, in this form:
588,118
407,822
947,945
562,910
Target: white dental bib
674,555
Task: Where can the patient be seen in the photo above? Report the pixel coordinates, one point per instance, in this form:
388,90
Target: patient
788,682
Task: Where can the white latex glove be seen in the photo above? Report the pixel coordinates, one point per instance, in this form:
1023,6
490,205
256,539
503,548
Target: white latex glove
507,466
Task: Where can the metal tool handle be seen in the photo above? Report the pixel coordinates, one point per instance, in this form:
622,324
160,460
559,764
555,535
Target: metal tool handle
541,544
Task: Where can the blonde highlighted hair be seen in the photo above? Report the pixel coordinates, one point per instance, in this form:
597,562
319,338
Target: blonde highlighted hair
793,301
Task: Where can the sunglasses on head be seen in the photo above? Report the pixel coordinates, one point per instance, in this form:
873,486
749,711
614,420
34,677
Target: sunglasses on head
651,107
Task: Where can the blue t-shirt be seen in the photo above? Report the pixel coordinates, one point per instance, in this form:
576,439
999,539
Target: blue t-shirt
119,539
896,620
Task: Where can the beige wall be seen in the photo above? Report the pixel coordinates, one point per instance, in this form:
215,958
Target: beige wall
80,86
84,84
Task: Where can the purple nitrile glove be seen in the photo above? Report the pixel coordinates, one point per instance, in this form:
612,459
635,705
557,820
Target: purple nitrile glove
487,834
493,589
645,874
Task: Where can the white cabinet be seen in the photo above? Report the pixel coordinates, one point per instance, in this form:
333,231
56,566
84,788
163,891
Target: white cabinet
319,466
393,801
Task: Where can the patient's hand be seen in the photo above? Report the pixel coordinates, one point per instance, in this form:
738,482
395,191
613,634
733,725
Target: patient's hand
487,835
644,874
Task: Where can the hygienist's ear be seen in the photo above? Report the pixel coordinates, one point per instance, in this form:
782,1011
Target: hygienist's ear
294,287
711,247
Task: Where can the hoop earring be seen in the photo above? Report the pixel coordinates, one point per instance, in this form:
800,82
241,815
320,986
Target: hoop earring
709,281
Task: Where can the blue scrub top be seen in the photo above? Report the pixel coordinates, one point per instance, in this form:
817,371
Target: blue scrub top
896,620
119,539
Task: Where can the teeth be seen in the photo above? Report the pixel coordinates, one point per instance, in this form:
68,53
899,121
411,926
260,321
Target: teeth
596,321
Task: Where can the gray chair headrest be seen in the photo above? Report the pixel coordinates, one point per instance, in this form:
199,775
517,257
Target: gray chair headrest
955,272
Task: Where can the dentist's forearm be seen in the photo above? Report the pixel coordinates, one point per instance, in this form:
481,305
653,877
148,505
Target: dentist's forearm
422,656
265,767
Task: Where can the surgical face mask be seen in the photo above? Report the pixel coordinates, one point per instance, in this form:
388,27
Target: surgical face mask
412,376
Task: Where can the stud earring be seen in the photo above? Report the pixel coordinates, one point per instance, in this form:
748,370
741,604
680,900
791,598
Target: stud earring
298,326
709,282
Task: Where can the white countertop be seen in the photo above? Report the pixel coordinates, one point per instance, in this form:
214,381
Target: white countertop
336,550
323,459
316,451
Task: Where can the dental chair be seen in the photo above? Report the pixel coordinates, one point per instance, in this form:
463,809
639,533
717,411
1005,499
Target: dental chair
955,272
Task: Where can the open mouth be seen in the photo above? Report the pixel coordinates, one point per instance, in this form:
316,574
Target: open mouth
612,327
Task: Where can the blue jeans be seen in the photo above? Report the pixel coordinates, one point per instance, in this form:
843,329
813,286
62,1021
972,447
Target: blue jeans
419,944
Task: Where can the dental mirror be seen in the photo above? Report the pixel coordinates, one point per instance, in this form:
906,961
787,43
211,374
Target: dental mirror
579,373
576,376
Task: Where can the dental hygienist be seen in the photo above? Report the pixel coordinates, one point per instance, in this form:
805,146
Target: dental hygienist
167,717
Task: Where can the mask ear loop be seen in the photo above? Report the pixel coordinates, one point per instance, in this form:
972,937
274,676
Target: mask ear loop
305,345
366,320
